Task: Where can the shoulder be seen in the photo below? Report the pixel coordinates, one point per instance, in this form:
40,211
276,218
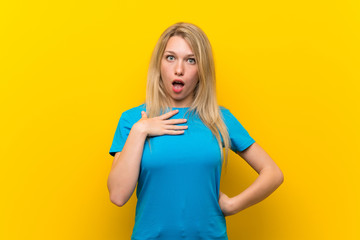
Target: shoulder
228,116
225,112
223,109
133,114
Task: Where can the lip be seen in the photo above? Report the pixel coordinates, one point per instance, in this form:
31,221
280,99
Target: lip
178,80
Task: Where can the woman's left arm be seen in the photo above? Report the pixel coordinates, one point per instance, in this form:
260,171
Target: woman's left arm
269,179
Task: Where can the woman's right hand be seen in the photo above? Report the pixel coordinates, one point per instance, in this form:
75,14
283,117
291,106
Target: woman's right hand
160,125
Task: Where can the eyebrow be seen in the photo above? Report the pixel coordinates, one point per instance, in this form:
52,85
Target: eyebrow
175,53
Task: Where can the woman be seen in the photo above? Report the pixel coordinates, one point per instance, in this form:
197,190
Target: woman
178,168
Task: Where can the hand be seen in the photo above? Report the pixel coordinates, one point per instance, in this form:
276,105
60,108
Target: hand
159,125
225,204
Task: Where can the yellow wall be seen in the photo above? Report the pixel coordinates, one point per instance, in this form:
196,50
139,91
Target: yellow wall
289,71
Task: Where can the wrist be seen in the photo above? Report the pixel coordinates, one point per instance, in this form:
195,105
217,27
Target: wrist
139,128
232,206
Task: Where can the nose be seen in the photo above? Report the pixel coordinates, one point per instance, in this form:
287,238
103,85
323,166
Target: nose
179,69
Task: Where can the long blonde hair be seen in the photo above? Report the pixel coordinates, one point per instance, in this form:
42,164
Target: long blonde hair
204,100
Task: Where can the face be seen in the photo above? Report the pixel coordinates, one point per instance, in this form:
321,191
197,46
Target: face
179,71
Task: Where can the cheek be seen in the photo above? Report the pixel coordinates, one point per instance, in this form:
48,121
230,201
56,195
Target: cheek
195,75
164,71
161,70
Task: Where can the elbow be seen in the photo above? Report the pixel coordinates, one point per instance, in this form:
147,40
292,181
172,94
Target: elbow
276,175
280,177
114,195
117,200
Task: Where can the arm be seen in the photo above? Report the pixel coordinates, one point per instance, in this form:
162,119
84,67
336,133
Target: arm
269,179
125,169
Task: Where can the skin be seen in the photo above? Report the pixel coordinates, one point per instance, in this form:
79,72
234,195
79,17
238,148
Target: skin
161,125
178,62
269,179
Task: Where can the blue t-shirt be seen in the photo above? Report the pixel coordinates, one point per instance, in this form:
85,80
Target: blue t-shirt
179,178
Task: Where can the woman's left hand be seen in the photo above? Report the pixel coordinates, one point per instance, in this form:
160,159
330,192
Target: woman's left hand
225,204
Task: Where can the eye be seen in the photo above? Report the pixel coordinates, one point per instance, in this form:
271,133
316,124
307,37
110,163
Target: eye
192,60
168,57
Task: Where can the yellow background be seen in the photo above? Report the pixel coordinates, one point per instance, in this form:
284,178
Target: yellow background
289,71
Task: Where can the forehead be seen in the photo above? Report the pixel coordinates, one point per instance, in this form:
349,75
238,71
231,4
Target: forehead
179,45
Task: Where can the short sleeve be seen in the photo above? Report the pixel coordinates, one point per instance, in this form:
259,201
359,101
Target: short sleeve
239,137
121,133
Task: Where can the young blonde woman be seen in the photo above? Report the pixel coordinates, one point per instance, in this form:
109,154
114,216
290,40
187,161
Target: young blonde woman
171,146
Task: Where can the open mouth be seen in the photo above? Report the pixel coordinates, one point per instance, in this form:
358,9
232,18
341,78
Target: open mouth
178,85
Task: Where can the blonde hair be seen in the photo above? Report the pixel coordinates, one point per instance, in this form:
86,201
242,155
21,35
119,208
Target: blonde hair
204,100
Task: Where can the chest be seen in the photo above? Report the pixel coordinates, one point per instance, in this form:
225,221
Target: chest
197,148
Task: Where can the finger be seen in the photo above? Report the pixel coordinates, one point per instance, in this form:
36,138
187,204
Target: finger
174,127
175,121
169,114
174,132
